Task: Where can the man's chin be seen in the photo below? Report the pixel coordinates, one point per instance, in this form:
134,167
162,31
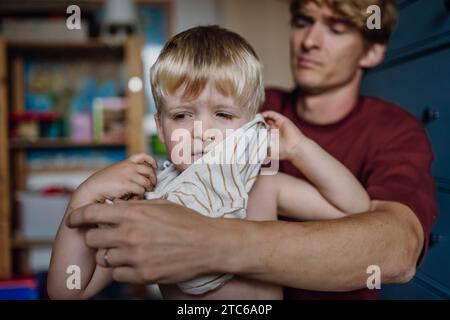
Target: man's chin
308,79
310,88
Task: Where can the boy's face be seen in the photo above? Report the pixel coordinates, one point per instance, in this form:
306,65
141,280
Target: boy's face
326,52
212,112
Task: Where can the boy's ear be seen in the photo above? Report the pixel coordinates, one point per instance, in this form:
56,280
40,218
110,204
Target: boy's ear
373,56
159,128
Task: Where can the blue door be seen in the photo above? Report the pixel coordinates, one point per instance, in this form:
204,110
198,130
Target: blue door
416,75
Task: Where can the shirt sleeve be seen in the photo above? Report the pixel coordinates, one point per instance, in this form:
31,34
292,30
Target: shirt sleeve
400,170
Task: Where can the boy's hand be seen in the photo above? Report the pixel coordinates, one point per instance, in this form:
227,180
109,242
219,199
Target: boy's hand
290,137
130,178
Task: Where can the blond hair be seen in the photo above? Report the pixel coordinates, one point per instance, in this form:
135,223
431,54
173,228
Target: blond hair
208,54
356,12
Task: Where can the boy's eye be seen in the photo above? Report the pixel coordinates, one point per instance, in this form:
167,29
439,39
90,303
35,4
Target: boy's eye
224,115
180,116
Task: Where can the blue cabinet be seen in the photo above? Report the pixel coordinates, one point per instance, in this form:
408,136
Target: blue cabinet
416,75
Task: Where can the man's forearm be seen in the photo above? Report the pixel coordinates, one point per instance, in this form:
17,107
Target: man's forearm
327,255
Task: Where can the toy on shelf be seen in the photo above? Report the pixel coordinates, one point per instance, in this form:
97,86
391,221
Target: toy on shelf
31,125
109,119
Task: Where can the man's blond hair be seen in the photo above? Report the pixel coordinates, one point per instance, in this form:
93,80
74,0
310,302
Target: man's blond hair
355,11
208,54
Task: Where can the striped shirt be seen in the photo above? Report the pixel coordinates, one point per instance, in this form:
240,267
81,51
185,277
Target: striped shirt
217,185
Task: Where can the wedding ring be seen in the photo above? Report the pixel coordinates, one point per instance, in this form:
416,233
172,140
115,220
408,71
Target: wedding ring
105,258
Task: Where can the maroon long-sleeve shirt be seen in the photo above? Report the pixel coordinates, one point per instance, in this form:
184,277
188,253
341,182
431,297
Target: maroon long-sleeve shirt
385,147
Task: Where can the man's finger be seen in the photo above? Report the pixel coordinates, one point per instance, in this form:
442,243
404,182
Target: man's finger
103,238
127,275
113,257
93,214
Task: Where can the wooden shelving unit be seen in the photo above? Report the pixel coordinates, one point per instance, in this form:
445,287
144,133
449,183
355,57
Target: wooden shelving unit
13,160
60,143
22,243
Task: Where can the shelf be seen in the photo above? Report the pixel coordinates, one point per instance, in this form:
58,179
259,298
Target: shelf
15,166
23,243
60,143
93,50
64,45
66,170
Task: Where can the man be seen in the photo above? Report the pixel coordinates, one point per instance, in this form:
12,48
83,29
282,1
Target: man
384,146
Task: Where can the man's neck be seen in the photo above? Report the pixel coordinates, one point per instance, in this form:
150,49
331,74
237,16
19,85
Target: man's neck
330,106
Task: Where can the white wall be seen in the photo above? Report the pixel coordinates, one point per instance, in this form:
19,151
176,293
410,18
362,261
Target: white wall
264,23
191,13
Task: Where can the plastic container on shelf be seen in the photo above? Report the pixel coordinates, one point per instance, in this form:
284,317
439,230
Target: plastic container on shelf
41,214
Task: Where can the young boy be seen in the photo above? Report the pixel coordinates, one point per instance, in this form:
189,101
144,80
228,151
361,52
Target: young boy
211,76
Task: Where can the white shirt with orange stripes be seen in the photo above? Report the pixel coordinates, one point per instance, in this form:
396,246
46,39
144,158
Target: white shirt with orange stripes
217,184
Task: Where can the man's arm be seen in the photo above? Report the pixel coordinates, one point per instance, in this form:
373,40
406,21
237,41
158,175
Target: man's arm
154,242
330,255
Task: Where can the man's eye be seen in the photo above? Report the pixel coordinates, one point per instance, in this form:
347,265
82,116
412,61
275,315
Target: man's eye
225,115
301,21
338,28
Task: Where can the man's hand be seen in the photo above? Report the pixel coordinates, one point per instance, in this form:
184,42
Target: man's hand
151,241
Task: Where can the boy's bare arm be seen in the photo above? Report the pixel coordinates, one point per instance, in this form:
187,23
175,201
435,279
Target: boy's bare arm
298,199
331,178
130,177
70,249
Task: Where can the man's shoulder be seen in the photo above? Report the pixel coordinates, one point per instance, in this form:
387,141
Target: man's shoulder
389,115
392,124
277,91
275,98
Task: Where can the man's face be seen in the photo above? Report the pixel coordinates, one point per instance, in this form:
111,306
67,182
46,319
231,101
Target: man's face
204,119
325,50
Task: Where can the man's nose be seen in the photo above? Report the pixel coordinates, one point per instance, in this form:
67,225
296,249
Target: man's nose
312,38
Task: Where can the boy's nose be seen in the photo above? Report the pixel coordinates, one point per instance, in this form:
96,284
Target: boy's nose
206,136
209,135
205,130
